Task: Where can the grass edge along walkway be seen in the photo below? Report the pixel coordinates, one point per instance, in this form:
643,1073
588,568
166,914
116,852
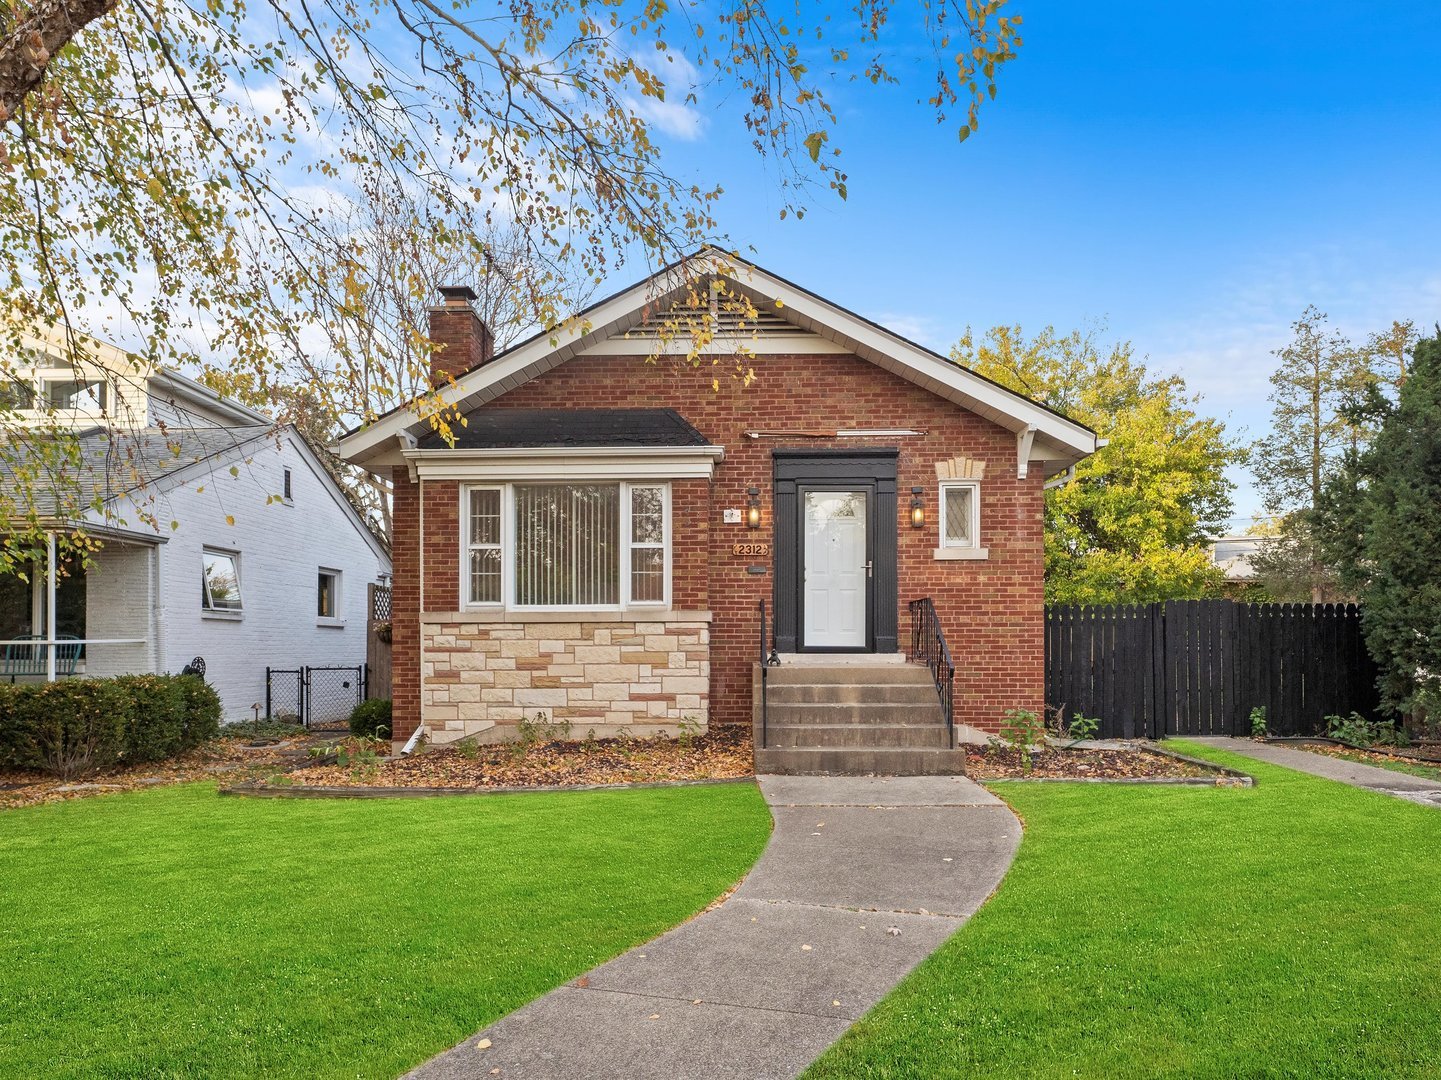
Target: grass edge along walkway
1280,930
173,933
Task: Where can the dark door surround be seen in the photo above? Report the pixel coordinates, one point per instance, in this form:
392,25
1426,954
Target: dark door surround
871,469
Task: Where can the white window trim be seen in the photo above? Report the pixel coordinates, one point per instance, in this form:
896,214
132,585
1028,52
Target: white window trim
952,549
208,612
507,551
505,545
338,619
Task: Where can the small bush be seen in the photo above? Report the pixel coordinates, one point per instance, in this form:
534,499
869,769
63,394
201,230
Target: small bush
202,710
73,726
156,727
371,719
1359,731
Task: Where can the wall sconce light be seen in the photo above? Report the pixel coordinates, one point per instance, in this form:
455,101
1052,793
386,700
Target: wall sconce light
918,508
753,508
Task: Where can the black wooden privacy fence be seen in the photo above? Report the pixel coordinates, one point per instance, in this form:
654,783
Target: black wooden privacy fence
1198,667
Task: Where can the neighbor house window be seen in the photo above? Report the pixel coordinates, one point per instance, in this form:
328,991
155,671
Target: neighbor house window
327,594
84,395
600,545
960,515
285,486
220,580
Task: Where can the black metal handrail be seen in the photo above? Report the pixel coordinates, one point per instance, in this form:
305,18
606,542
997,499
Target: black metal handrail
928,646
768,661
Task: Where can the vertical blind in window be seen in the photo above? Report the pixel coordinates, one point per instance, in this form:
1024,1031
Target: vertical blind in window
567,545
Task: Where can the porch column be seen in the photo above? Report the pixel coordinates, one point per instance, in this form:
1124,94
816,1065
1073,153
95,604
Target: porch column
50,586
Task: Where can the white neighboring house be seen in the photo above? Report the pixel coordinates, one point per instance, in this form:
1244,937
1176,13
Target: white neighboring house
1233,554
223,537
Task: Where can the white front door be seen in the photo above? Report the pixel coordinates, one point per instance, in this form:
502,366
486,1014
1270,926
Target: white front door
835,569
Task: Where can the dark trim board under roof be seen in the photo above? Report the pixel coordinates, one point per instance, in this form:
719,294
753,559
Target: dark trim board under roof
507,429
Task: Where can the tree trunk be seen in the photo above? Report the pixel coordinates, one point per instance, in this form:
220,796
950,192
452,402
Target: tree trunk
27,46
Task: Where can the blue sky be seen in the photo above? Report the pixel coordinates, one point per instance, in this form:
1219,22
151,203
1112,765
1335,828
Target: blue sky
1191,176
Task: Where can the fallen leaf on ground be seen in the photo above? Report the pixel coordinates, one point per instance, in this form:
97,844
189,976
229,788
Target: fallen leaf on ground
483,1044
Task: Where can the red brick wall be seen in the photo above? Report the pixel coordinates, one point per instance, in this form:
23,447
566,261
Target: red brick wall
462,341
992,610
404,605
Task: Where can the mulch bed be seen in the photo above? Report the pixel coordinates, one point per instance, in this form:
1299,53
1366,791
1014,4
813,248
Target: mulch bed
722,753
1410,755
228,758
1000,763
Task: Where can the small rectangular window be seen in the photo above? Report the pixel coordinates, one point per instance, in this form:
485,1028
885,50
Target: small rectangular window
327,596
82,395
647,545
220,581
286,488
960,515
483,544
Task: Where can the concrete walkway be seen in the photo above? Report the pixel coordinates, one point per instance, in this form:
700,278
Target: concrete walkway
863,878
1402,785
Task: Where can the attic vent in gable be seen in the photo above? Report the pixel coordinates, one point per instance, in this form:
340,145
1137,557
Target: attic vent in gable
723,319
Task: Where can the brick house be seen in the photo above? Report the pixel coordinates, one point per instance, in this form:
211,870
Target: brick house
598,541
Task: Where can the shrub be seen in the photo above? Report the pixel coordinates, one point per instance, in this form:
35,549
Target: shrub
69,727
156,728
1359,731
202,710
76,725
371,719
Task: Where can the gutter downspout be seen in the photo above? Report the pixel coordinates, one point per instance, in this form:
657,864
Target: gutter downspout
409,746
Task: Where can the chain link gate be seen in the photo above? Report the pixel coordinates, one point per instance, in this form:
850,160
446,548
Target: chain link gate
315,696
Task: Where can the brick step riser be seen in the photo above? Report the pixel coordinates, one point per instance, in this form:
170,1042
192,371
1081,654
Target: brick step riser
807,761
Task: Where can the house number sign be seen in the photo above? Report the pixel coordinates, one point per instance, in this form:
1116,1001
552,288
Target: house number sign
750,549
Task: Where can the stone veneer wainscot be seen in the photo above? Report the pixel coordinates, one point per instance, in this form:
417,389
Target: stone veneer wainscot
482,676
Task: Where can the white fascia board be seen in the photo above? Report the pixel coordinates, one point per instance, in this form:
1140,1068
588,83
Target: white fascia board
568,463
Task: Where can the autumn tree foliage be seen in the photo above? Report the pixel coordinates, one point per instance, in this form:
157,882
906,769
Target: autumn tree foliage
1132,526
176,174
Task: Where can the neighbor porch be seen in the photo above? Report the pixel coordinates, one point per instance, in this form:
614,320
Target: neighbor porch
63,616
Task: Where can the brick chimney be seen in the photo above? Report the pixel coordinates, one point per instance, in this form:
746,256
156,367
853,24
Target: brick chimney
462,340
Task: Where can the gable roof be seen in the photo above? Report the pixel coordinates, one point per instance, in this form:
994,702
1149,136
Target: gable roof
515,428
1042,433
112,464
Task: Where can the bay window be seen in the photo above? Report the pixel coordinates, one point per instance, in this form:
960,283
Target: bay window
558,546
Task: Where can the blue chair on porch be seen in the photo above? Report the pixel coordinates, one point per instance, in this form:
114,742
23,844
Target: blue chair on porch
26,656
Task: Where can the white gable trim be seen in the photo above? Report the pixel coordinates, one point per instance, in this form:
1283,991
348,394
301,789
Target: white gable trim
1057,440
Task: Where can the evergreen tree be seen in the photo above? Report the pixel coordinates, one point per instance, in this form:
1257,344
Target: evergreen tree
1402,544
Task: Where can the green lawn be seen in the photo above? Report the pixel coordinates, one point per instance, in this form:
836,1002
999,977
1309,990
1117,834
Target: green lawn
174,933
1285,930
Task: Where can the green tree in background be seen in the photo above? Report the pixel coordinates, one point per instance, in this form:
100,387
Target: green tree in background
1329,399
1133,525
1401,548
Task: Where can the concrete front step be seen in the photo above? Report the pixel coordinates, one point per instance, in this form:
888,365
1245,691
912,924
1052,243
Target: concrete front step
872,712
819,736
850,675
861,761
899,694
